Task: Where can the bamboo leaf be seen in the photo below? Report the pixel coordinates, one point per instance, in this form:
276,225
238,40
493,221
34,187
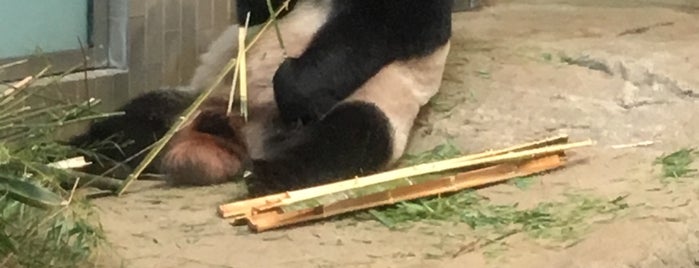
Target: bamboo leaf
6,243
4,155
29,194
677,164
388,222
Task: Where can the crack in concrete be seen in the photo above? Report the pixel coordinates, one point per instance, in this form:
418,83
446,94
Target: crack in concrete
643,84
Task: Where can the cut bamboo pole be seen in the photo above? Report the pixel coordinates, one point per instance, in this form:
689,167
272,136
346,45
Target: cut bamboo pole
423,169
244,74
481,177
236,70
20,84
243,208
560,139
246,208
70,163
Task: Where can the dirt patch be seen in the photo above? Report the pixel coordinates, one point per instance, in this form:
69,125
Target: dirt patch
516,72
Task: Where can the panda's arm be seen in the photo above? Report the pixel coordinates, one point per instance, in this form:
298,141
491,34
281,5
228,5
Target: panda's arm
307,87
361,38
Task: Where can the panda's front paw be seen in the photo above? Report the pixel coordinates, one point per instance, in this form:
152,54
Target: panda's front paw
299,93
273,176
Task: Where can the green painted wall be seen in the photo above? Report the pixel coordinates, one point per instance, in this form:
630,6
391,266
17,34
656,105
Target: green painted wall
51,25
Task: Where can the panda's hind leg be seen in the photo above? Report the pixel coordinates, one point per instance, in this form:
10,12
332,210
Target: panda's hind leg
353,139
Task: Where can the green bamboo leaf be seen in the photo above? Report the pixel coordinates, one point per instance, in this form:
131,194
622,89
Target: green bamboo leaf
29,193
7,244
386,221
4,155
677,164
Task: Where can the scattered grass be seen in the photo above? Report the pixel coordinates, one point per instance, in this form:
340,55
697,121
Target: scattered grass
552,221
495,250
555,221
443,151
586,62
678,164
444,103
547,56
541,55
560,58
484,74
523,183
440,209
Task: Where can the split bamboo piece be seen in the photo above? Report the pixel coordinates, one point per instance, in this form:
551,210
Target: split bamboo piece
243,208
423,169
275,218
247,208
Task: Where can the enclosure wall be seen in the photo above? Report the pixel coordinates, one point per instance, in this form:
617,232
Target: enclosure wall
161,43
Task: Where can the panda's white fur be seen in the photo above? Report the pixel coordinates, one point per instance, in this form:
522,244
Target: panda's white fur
416,81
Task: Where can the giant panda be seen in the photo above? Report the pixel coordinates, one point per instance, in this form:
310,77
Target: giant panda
338,101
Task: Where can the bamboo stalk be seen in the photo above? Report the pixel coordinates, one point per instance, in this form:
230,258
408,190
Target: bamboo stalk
22,114
14,63
236,72
245,207
399,182
423,169
276,27
243,75
495,174
70,163
560,139
7,103
70,176
61,123
15,88
21,83
268,23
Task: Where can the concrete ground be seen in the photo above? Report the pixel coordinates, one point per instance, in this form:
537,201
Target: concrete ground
618,72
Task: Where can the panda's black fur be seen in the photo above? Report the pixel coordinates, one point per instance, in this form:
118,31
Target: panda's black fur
360,38
340,106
